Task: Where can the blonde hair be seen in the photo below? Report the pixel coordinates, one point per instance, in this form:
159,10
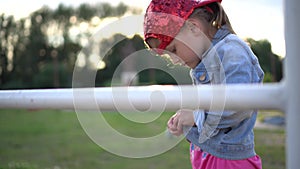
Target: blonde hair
213,14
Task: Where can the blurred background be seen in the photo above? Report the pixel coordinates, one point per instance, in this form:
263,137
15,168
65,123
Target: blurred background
40,44
39,50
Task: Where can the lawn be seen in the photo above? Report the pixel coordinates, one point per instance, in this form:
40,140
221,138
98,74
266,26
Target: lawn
52,139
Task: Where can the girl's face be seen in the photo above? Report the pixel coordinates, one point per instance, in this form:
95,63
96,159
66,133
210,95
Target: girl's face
181,53
188,46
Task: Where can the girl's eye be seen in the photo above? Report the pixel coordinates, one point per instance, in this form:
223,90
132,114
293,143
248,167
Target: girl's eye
173,50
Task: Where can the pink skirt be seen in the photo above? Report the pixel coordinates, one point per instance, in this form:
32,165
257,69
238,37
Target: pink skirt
204,160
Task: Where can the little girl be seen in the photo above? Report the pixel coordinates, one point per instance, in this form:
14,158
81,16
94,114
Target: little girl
198,34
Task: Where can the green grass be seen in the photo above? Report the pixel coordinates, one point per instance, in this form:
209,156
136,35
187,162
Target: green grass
268,113
49,139
270,145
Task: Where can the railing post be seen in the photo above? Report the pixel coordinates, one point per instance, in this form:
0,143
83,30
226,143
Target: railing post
292,81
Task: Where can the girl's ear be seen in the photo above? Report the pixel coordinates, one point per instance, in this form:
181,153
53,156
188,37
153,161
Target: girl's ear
195,26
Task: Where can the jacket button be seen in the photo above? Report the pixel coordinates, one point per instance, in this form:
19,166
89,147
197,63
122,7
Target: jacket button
202,77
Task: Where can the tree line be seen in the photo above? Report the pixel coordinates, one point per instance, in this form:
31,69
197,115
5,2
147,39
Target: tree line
40,51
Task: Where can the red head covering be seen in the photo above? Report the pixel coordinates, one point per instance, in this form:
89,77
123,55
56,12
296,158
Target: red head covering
164,18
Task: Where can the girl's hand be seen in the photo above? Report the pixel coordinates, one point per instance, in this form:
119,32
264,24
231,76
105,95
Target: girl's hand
183,117
172,127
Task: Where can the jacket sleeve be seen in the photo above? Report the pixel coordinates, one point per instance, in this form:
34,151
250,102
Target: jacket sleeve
237,67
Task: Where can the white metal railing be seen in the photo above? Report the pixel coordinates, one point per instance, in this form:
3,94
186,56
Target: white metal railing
149,98
284,96
291,82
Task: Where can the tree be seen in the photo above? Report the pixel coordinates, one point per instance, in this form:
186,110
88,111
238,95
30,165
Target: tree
6,23
270,62
41,45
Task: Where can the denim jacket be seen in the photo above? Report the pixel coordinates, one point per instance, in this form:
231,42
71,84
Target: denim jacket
226,134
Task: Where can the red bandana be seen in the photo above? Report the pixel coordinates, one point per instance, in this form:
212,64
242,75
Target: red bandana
164,18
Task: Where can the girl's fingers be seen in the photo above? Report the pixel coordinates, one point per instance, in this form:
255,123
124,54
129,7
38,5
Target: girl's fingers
175,121
180,127
174,126
175,132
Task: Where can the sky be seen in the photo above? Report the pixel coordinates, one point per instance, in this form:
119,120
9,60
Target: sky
257,19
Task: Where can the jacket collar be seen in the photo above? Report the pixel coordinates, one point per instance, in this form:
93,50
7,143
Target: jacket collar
220,34
199,72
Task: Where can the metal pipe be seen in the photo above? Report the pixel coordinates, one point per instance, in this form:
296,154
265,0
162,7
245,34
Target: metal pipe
292,81
148,98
